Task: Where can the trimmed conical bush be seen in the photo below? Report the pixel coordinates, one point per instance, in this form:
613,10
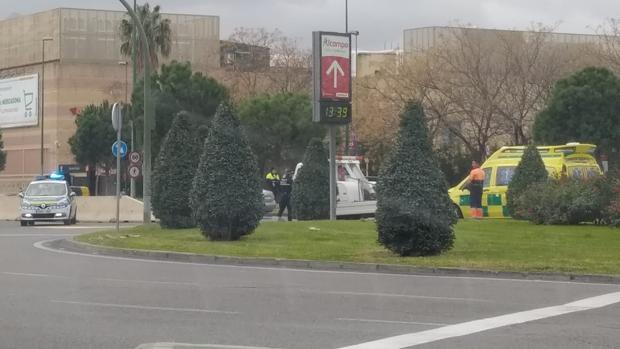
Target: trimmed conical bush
414,212
174,171
226,193
311,188
531,169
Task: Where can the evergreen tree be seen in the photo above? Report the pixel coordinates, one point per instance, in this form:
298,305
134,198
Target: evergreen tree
414,212
226,193
311,189
531,169
173,174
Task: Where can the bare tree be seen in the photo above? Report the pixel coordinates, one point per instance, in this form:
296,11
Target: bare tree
464,80
532,65
291,66
608,49
258,61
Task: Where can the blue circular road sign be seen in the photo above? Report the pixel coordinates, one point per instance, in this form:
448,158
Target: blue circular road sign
123,149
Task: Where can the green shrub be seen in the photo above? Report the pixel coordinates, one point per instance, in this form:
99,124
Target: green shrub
311,188
564,201
414,212
226,192
174,170
531,170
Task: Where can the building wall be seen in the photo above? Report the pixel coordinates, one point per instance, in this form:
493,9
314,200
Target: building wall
82,67
92,36
20,42
373,63
421,39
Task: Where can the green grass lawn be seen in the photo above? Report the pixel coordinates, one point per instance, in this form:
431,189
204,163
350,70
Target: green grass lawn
505,245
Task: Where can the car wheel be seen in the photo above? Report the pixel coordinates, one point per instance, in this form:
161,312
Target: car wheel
74,219
23,223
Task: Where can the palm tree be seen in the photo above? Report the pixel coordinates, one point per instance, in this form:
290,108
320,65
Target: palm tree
157,31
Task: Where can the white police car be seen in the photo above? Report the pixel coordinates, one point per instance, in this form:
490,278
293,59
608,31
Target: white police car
47,200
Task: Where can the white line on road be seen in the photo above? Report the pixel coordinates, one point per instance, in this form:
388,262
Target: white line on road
172,345
41,245
180,283
392,322
470,327
63,227
145,307
29,235
404,296
35,275
156,282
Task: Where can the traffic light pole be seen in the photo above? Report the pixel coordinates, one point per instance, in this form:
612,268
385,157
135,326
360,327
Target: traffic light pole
148,116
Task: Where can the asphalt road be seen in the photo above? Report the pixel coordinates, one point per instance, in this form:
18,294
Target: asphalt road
58,300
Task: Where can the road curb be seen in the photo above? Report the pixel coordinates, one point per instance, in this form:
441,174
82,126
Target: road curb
75,246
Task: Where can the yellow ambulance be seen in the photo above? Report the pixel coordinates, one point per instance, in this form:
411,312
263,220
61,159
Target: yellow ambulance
573,160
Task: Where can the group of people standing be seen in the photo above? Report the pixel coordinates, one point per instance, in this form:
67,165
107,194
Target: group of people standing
282,189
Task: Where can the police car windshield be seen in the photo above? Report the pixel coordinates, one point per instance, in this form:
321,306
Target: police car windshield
46,189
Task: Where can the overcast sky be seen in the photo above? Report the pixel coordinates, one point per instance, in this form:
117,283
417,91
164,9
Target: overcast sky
380,22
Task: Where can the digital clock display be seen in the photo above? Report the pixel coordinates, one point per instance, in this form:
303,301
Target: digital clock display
336,112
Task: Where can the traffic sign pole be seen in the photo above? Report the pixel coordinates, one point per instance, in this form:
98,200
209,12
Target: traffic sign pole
117,123
332,93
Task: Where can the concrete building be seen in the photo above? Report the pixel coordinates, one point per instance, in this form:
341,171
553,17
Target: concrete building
417,40
370,63
82,55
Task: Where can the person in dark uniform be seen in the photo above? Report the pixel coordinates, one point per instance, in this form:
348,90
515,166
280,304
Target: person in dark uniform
476,182
285,189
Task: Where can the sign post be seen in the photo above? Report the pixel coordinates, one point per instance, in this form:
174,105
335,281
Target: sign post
134,165
117,123
331,73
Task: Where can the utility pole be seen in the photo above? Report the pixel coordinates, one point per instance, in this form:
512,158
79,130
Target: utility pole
43,40
132,181
148,116
346,30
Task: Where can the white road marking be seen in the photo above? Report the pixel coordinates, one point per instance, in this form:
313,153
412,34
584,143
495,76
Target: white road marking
29,235
156,282
404,296
180,283
68,227
392,322
172,345
35,275
470,327
41,245
145,307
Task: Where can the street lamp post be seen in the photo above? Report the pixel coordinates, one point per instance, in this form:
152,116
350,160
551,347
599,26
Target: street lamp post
124,63
132,181
148,115
43,40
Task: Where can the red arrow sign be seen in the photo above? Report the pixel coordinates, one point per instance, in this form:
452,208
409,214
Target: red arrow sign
335,67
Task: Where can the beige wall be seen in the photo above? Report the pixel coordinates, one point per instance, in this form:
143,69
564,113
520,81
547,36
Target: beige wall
372,63
20,42
66,86
92,36
81,68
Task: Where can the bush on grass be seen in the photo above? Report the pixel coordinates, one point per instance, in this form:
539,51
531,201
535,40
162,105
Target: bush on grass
565,201
226,192
311,188
530,170
414,212
174,169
